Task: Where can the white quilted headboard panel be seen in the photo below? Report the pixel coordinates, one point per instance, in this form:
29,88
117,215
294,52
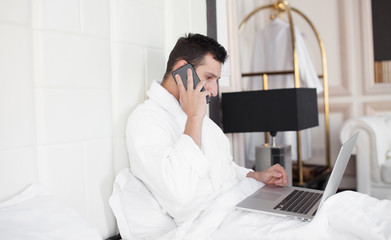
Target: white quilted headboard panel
71,73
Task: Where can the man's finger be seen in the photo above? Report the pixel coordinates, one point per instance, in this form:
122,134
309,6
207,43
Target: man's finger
277,166
279,182
276,174
206,93
190,83
179,82
200,85
283,172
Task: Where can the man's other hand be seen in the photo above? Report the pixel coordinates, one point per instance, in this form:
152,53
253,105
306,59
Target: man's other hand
276,175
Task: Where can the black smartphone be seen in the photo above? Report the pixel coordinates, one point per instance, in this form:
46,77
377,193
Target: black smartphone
182,72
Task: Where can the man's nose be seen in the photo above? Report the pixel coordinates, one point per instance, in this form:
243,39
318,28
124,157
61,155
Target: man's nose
213,88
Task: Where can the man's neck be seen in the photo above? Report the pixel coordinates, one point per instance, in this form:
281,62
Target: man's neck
170,85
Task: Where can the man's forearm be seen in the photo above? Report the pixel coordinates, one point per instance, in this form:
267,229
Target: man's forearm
193,128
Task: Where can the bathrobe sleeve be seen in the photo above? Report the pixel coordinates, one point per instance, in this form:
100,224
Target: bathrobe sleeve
241,172
165,159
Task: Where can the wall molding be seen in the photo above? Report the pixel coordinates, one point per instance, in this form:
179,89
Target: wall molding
368,72
376,108
346,38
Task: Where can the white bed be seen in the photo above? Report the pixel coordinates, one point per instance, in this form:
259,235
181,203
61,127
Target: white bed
346,215
35,214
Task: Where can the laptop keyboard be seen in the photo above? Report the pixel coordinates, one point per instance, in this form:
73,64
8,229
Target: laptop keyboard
299,201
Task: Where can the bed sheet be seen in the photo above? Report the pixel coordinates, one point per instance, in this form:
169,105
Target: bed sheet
346,215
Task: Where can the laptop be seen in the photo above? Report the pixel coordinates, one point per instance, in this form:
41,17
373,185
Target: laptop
296,202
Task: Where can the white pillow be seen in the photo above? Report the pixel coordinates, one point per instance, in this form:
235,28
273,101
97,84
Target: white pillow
138,214
35,214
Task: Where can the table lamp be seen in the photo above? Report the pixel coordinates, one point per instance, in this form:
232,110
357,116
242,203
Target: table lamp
275,110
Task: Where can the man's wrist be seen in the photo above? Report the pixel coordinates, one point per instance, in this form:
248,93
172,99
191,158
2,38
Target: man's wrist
193,128
256,175
251,175
195,118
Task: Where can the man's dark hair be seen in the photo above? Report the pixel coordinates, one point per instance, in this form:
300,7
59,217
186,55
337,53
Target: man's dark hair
192,48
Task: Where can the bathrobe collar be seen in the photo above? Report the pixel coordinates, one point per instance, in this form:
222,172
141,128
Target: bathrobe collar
215,145
164,98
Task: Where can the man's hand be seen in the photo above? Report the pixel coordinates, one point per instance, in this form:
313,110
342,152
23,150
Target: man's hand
192,100
194,105
276,175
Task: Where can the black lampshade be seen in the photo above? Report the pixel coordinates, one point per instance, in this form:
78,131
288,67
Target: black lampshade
288,109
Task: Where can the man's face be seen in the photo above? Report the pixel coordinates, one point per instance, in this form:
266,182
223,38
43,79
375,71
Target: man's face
209,72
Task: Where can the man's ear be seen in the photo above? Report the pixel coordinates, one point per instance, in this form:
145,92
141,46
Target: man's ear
179,64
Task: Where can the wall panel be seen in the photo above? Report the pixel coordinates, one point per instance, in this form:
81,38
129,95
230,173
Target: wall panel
71,73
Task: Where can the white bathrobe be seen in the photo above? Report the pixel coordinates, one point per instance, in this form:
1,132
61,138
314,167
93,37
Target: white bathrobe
179,174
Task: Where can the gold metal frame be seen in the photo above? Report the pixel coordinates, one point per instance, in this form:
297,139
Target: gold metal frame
281,7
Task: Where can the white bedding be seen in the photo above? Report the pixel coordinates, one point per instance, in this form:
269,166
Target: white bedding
346,215
35,214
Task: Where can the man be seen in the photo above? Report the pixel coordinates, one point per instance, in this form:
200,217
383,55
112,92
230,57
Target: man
174,148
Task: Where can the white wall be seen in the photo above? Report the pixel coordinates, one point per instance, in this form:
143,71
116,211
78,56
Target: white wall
71,73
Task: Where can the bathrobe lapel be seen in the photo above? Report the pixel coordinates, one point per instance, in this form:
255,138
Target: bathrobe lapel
215,144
